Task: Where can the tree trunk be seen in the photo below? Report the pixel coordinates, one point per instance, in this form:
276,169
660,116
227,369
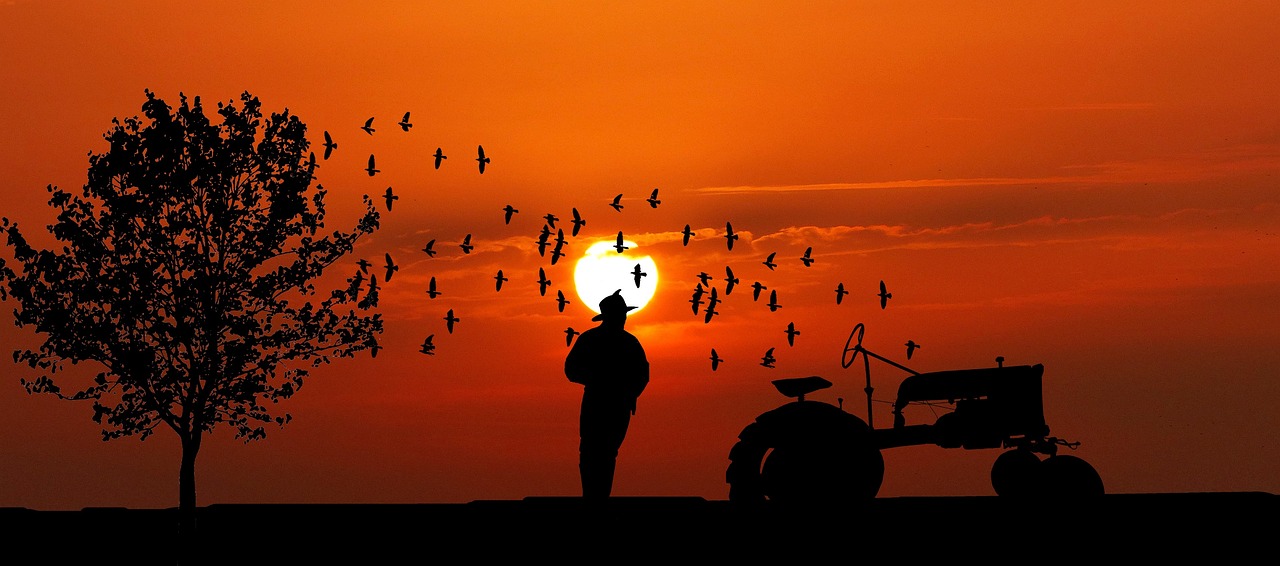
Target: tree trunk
187,490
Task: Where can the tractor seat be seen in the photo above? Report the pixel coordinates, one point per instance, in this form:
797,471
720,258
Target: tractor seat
798,387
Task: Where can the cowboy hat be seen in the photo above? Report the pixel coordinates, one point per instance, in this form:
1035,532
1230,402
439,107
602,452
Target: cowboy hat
613,304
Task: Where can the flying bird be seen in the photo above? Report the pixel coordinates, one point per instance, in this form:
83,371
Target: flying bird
807,258
687,234
368,127
569,333
466,244
543,240
637,274
711,311
704,278
482,159
578,222
557,253
404,122
911,348
715,298
697,298
768,262
374,348
329,146
551,219
371,169
560,241
427,347
773,301
510,210
729,235
450,320
431,289
617,203
653,199
840,293
791,333
543,282
768,359
884,295
389,197
371,295
440,156
353,290
499,278
391,268
619,246
561,300
364,265
429,248
715,360
730,280
755,290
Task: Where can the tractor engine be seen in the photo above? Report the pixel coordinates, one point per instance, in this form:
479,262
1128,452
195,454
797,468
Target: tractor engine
994,408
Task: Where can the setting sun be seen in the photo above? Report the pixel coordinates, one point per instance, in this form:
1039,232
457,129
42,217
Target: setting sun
603,270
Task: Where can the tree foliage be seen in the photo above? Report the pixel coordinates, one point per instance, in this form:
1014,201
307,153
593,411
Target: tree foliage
188,271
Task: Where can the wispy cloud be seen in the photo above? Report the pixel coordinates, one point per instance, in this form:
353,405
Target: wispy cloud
1211,163
905,183
1130,231
1105,106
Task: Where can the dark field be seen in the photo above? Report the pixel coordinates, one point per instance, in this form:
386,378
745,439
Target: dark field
1221,527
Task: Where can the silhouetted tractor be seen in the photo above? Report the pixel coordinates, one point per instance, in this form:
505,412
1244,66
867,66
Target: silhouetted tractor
809,451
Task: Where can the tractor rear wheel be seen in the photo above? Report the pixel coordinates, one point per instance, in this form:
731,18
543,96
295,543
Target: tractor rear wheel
805,452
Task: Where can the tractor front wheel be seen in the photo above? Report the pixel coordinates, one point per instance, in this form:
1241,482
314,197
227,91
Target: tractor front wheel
1016,473
1020,473
1064,475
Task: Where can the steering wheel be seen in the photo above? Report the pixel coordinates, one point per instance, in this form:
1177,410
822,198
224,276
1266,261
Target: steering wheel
845,359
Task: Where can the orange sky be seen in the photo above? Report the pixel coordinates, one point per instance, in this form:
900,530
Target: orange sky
1087,185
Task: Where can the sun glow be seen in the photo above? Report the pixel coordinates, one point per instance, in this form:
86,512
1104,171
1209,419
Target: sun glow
603,270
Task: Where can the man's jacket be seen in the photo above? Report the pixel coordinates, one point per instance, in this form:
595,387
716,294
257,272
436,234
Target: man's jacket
608,360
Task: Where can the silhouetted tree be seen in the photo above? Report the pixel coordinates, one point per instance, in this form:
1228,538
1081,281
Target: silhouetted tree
187,270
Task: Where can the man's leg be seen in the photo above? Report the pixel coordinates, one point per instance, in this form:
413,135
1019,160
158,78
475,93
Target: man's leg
597,475
602,428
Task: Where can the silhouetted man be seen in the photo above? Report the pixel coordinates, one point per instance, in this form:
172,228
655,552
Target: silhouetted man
610,364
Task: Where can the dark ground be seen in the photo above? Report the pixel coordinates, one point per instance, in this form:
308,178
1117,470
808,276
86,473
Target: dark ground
1221,527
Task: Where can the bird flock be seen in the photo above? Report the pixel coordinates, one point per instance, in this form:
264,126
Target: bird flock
706,295
363,286
550,243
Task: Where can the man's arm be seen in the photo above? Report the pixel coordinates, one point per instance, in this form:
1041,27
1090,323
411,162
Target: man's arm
574,363
640,373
